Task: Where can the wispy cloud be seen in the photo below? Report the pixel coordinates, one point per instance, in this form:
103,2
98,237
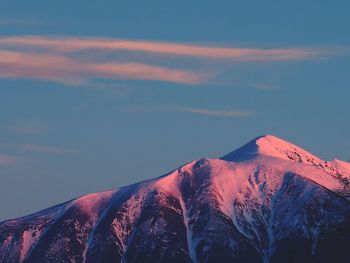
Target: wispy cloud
7,160
73,44
15,64
10,22
72,60
44,149
199,111
263,86
30,126
208,112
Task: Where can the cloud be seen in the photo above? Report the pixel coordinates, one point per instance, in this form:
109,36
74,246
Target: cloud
77,60
200,111
7,160
58,68
74,44
30,126
10,22
220,113
44,149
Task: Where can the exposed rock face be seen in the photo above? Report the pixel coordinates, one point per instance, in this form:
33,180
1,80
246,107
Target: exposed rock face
269,201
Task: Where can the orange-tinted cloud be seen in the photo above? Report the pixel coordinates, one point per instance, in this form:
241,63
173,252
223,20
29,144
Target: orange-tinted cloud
56,67
72,44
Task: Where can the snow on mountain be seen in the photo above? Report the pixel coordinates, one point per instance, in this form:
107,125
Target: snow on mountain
268,201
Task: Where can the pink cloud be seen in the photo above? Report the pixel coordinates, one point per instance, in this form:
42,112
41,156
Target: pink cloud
7,160
15,64
43,149
58,59
73,44
221,113
30,126
200,111
9,22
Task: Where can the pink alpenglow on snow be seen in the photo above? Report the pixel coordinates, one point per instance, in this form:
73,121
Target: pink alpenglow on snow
264,202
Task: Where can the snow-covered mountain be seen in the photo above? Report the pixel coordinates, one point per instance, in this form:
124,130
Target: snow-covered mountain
268,201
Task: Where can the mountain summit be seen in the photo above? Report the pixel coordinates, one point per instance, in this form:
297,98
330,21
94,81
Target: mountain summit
269,145
268,201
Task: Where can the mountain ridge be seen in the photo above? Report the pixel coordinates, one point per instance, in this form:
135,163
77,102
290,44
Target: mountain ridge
252,205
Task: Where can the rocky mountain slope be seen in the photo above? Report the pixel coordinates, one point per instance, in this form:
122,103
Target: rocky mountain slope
268,201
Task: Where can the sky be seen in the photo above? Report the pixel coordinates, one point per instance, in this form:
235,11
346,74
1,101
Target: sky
100,94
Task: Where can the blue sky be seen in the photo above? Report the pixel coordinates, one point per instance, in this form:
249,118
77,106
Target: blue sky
100,94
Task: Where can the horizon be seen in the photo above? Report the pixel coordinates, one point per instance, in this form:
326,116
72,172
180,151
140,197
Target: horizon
95,96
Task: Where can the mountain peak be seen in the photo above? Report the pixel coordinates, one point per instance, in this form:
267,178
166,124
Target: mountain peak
272,146
205,211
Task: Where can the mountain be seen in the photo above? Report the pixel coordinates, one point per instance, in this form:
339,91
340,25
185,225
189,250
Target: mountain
268,201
